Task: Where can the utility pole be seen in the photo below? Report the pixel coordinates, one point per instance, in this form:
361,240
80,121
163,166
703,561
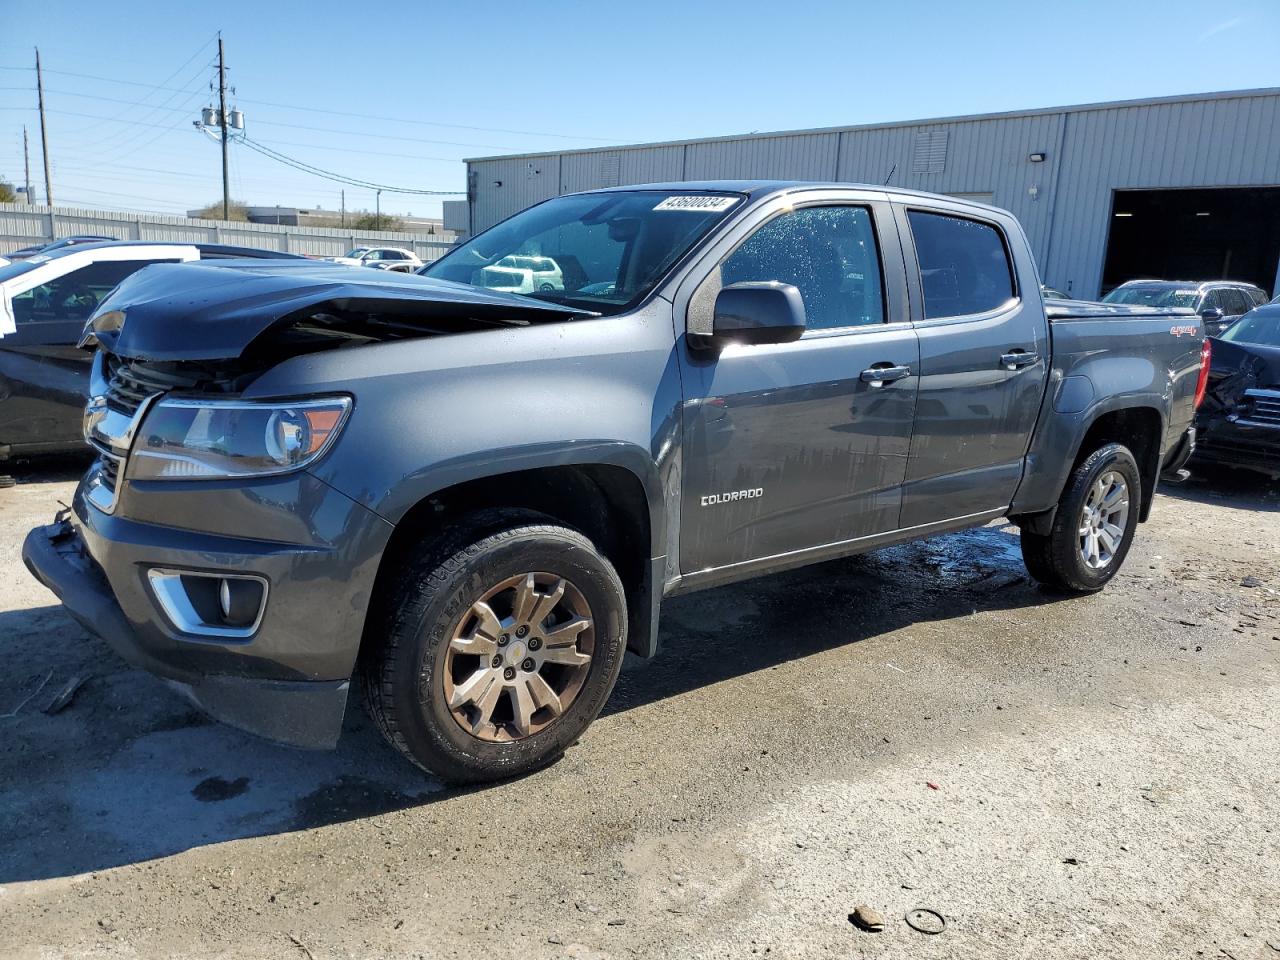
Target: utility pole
26,162
344,208
223,122
377,217
44,133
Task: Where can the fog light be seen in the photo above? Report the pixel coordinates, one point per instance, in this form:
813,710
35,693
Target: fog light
239,601
210,604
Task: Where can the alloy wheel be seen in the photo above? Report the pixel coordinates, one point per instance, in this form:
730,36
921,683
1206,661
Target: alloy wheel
1103,520
519,656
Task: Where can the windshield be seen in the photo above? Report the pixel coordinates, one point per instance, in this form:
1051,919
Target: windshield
1154,295
357,252
19,267
601,252
1257,326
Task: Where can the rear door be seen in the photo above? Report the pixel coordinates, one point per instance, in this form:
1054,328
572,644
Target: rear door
788,447
983,361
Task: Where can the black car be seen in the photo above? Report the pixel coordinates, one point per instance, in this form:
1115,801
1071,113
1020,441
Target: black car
59,244
1219,302
1238,424
44,302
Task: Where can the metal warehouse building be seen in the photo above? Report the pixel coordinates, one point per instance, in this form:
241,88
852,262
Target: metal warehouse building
1178,187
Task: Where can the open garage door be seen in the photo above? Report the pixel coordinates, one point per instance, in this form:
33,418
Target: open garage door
1231,233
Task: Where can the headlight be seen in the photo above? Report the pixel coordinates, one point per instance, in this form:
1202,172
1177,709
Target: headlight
201,439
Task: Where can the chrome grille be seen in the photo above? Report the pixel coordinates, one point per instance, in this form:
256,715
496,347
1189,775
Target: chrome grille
1266,410
131,383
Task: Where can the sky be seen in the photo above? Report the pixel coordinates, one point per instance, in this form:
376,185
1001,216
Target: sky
398,95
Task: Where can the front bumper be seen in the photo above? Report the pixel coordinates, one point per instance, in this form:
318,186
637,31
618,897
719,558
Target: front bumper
288,681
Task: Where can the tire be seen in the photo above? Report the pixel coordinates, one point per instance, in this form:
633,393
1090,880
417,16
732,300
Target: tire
422,660
1057,559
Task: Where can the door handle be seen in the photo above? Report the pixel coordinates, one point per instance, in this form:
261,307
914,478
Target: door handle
1017,359
880,374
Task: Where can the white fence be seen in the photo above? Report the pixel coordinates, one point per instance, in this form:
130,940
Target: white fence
23,225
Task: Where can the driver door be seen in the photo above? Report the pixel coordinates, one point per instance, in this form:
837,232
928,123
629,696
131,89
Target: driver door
795,446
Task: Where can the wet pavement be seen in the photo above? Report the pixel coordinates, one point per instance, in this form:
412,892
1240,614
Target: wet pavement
922,727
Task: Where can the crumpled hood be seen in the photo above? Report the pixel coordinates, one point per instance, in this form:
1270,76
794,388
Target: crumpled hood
213,310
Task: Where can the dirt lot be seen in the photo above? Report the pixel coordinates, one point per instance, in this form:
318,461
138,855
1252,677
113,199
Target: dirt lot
920,727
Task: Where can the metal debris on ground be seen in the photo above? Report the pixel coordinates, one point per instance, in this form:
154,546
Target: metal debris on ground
865,918
62,699
28,698
924,920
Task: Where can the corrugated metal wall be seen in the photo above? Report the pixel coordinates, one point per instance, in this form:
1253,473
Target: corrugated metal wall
22,225
1064,203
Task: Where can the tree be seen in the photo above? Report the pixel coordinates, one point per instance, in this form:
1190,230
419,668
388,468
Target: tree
238,210
7,193
371,221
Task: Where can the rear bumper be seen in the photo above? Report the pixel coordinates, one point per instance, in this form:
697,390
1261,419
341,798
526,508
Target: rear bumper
1180,454
1246,444
304,713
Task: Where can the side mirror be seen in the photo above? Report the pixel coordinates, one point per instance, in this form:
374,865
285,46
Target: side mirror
1211,313
755,312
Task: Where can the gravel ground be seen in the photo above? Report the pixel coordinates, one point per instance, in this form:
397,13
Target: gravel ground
920,727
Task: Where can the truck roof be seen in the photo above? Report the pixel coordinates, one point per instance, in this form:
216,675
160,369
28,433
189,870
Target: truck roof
757,189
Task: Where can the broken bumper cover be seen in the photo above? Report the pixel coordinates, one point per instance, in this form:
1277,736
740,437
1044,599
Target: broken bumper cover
303,713
1241,443
287,682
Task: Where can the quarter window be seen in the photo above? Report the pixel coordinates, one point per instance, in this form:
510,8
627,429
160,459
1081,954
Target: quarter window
828,253
964,267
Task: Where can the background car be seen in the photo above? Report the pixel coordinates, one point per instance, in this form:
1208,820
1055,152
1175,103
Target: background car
397,259
44,302
1238,425
60,244
1219,302
1051,294
519,273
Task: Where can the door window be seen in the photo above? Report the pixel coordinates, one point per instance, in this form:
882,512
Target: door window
1234,301
1212,301
828,253
964,266
76,295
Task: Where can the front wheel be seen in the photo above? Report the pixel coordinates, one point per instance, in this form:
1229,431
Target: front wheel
502,642
1094,526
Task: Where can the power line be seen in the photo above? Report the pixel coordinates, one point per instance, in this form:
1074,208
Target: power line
380,136
340,178
429,123
359,150
152,108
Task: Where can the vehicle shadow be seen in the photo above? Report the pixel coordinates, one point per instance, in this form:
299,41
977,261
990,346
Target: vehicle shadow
129,772
1224,487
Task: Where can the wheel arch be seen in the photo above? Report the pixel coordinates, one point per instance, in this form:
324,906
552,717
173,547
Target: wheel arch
614,500
1138,426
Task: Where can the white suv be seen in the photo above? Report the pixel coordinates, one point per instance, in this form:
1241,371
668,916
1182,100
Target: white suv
383,258
523,274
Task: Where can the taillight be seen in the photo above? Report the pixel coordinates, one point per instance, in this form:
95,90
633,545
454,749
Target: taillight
1202,384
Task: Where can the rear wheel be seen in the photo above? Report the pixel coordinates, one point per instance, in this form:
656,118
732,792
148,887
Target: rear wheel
501,645
1093,527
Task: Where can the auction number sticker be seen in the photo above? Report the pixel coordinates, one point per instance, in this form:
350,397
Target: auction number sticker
700,204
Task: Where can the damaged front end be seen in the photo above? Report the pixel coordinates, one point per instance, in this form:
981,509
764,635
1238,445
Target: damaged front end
207,331
199,545
1238,425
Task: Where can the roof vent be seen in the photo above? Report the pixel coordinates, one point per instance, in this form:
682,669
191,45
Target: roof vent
610,169
930,155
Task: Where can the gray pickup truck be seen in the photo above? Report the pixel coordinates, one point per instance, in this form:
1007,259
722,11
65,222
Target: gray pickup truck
475,501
